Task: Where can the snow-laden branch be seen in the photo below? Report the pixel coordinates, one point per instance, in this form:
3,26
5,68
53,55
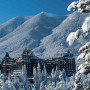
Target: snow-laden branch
85,47
73,36
81,6
86,25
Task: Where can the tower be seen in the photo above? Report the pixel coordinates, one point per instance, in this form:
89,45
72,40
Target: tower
29,59
6,65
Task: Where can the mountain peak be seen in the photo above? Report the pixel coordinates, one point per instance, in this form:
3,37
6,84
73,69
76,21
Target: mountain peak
48,14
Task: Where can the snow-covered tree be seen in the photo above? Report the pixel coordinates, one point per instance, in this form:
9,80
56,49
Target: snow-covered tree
64,74
3,85
42,86
10,83
24,73
16,82
45,72
24,79
82,6
39,70
37,77
34,73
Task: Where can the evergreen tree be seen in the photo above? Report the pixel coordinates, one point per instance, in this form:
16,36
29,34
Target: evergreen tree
34,73
10,83
3,85
39,70
24,73
16,82
83,6
42,86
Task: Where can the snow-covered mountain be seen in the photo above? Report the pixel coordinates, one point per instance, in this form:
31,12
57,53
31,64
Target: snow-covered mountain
11,25
44,33
55,44
20,33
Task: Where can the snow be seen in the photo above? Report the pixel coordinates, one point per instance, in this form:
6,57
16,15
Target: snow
71,37
86,25
11,25
87,57
55,43
82,80
81,56
78,33
72,5
85,47
28,34
81,6
81,69
45,35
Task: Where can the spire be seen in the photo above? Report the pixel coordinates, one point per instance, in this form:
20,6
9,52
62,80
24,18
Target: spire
7,55
68,52
27,52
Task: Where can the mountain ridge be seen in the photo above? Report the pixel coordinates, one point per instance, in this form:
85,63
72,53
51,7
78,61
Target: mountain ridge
28,34
44,34
57,40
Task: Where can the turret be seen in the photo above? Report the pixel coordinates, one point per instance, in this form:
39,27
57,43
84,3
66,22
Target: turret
7,56
27,52
67,54
27,55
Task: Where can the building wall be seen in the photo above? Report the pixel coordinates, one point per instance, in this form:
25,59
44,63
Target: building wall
61,63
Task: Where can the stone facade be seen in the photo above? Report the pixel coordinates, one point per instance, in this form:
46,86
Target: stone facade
66,61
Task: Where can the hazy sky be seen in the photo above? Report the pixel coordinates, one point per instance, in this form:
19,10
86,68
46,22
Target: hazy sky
13,8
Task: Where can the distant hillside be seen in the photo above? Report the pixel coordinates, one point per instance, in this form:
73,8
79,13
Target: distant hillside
55,44
11,25
45,33
20,33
